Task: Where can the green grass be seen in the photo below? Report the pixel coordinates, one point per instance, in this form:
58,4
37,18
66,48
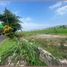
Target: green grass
23,50
29,51
6,49
58,31
55,50
59,52
31,54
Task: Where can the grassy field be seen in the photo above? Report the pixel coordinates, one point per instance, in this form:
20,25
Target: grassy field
57,51
28,52
60,52
58,31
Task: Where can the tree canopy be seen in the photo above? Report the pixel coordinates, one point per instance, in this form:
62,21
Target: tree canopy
1,26
10,20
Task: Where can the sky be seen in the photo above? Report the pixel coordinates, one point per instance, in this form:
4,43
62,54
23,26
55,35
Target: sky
37,14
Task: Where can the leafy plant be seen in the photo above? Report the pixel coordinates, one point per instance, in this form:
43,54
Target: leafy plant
11,21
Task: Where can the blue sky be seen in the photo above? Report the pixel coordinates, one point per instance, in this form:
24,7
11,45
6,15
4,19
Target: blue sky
38,14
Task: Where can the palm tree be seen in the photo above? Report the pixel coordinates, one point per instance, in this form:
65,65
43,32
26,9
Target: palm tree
8,18
11,20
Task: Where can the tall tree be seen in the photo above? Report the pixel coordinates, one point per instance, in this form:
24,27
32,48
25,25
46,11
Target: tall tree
8,18
11,20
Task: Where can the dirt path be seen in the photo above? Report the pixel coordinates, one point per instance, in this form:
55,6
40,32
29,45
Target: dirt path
49,36
1,38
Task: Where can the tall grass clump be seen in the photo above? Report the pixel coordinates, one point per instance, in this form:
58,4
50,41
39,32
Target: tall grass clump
7,48
20,50
31,54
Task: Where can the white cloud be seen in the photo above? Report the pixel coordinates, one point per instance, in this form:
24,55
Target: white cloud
27,19
62,10
4,3
29,25
56,5
59,8
32,26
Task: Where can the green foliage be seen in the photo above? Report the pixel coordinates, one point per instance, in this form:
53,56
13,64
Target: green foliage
31,54
22,50
7,48
1,26
10,19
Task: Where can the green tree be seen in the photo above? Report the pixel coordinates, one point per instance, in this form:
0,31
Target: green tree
1,28
10,19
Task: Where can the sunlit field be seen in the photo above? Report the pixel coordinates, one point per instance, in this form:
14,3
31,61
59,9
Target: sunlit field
33,33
